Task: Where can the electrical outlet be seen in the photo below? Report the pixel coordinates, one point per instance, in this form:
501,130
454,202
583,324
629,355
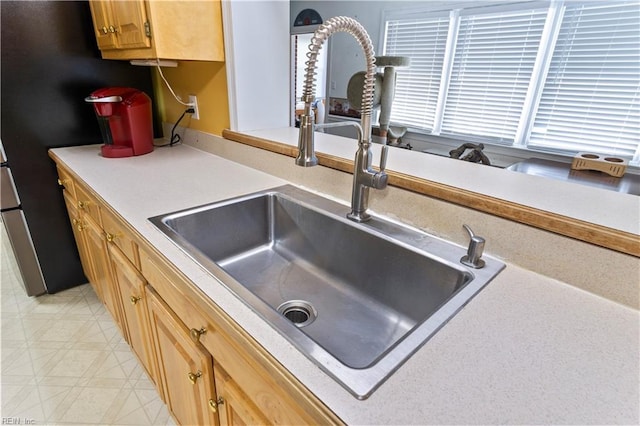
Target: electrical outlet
193,101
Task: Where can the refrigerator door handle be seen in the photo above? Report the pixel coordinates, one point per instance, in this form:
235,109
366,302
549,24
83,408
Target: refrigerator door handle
8,192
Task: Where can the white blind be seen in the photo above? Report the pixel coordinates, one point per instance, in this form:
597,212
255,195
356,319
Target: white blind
494,58
424,40
591,97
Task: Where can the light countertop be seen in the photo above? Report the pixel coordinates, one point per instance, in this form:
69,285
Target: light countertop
527,349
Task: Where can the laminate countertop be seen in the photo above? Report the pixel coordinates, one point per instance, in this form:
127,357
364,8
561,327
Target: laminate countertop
527,349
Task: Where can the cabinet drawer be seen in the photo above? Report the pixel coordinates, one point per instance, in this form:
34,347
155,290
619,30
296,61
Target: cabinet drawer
87,204
117,233
173,290
66,181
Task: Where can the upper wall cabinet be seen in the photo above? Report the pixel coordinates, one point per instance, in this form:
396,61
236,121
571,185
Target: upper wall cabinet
154,29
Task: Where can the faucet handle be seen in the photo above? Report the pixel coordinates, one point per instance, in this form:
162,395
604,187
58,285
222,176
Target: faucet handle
474,252
379,180
383,157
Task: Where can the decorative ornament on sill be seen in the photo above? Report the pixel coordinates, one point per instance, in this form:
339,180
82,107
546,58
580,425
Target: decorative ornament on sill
475,156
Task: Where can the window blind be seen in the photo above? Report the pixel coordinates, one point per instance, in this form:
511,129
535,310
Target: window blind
591,97
495,54
417,87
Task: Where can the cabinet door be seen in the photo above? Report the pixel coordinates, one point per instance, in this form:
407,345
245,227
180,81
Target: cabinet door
185,367
130,20
233,406
98,252
78,228
130,285
103,24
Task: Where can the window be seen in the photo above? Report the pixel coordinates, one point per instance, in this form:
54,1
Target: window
417,88
556,76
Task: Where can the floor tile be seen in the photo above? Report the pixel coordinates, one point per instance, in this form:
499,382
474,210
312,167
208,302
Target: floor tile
64,362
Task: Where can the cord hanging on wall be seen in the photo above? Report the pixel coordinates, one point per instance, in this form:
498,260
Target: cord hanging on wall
158,63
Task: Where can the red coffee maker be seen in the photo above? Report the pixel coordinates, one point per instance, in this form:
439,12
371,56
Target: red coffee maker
125,119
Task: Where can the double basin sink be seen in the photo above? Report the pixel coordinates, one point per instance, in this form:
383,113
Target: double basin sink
358,299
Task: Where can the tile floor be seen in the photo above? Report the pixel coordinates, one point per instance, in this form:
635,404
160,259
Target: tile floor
64,362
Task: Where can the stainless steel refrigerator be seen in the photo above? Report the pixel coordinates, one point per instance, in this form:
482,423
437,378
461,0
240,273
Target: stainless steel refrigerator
18,232
50,63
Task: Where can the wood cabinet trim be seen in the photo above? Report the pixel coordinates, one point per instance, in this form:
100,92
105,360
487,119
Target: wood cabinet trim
179,30
603,236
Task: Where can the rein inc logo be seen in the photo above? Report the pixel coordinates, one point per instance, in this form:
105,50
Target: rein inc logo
17,421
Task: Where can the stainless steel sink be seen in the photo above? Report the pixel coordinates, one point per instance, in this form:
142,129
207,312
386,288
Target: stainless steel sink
357,299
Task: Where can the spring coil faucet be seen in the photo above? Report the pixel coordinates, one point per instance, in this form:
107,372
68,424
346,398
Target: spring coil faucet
364,177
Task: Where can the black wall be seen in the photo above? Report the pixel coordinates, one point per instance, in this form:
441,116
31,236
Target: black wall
50,63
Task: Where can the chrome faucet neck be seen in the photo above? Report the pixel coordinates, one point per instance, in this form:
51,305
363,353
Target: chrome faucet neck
363,175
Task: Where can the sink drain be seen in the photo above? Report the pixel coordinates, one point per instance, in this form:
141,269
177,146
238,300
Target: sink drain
299,312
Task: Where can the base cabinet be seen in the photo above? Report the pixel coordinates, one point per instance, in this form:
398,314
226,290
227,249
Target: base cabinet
186,368
237,408
97,248
206,368
78,228
130,284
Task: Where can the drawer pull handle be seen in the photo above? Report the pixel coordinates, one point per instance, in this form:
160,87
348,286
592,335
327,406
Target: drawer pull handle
213,404
195,334
193,378
134,299
62,182
82,204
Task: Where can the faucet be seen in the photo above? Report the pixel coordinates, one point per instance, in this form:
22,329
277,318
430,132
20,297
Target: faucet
364,177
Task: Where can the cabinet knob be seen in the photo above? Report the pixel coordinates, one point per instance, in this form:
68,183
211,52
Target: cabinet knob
110,237
193,377
213,404
112,29
195,334
82,204
105,30
61,182
134,299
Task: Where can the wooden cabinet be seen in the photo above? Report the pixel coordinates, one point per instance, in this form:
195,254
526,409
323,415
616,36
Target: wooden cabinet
78,227
154,29
130,284
97,250
84,214
120,24
103,25
185,367
256,390
206,368
237,408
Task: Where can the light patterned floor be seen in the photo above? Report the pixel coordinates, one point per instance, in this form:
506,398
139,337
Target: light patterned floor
64,361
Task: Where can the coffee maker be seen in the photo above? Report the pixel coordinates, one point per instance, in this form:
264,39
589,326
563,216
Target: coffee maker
125,119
